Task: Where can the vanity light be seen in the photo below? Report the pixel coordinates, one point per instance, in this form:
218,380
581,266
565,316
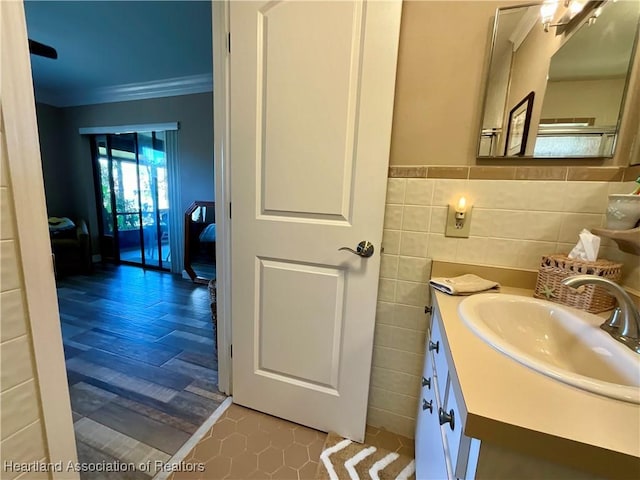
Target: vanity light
547,12
461,210
574,7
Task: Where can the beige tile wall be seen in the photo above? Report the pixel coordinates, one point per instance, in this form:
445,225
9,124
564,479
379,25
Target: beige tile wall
22,437
513,224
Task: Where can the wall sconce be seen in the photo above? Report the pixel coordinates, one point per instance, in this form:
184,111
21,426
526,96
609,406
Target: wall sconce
458,219
575,13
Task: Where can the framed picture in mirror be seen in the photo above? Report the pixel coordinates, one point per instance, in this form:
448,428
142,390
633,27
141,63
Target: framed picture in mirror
518,127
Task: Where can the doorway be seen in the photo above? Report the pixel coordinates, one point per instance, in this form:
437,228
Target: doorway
171,317
132,192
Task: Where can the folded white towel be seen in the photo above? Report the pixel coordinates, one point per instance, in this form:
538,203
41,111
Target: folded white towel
463,285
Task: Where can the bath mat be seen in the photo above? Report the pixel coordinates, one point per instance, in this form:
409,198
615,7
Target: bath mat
343,459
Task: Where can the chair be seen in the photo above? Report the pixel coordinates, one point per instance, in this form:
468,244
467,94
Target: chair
72,249
164,238
151,239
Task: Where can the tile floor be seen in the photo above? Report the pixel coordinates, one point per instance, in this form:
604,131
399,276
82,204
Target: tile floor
141,364
245,444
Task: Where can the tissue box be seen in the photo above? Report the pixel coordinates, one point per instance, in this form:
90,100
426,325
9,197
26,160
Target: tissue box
555,268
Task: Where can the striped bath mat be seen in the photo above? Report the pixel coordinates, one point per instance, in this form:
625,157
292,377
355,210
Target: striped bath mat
343,459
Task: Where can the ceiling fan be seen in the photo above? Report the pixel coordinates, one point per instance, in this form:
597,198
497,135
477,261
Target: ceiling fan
37,48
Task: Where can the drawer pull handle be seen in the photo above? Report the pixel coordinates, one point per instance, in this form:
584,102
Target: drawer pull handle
445,417
434,346
426,382
427,405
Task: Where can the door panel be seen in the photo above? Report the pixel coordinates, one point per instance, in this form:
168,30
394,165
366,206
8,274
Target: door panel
305,136
312,87
314,320
133,197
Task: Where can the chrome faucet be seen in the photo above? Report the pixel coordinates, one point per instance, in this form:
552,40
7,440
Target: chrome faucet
624,323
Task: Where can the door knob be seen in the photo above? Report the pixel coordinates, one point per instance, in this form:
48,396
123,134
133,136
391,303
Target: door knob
445,417
364,249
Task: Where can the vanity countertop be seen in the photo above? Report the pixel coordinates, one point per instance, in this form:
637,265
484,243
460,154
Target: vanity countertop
513,406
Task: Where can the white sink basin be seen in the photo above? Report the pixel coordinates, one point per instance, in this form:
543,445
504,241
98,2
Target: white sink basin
557,341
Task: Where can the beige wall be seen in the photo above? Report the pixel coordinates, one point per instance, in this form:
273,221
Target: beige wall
439,87
566,99
438,84
22,433
64,148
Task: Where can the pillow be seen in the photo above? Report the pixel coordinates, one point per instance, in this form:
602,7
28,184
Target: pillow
59,224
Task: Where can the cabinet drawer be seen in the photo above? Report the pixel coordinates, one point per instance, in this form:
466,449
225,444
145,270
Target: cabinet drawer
432,461
427,390
436,347
452,435
458,444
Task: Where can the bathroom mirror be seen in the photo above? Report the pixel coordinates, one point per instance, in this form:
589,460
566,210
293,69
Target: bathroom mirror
558,93
200,241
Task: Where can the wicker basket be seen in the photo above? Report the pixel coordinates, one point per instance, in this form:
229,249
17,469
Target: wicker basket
593,299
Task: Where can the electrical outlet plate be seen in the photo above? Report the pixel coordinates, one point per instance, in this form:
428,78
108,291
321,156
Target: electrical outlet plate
450,229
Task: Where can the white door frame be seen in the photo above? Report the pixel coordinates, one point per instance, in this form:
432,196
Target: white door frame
221,46
34,254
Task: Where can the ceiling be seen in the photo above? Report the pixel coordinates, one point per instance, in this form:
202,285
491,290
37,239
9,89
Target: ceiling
104,44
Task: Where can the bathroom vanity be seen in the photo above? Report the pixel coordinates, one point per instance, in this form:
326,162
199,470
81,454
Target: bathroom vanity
483,415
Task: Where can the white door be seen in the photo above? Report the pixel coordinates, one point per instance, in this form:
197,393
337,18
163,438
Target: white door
312,87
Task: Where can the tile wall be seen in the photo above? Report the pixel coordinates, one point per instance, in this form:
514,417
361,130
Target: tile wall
514,223
22,437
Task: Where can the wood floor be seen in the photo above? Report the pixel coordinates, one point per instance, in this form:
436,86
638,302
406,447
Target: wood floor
141,364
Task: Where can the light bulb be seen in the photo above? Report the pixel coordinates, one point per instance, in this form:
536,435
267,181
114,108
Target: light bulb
461,206
548,10
576,7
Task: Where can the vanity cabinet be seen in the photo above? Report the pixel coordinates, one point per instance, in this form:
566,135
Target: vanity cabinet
442,450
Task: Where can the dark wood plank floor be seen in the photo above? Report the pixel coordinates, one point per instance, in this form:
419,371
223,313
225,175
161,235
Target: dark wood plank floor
141,363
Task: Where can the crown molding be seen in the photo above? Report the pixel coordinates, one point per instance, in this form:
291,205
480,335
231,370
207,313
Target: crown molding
168,87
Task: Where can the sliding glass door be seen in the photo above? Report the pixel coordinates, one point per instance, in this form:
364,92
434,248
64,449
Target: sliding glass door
133,198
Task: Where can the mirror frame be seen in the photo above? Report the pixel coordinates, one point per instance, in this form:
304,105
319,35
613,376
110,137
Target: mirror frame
195,278
579,19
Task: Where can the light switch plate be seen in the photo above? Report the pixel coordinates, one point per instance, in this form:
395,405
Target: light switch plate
450,229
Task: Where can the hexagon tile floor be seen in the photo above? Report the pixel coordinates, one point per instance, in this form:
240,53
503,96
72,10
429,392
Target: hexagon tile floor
245,444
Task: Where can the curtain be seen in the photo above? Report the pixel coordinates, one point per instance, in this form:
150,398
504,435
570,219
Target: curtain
176,222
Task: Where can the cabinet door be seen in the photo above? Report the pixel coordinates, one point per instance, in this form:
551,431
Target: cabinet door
453,431
430,455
